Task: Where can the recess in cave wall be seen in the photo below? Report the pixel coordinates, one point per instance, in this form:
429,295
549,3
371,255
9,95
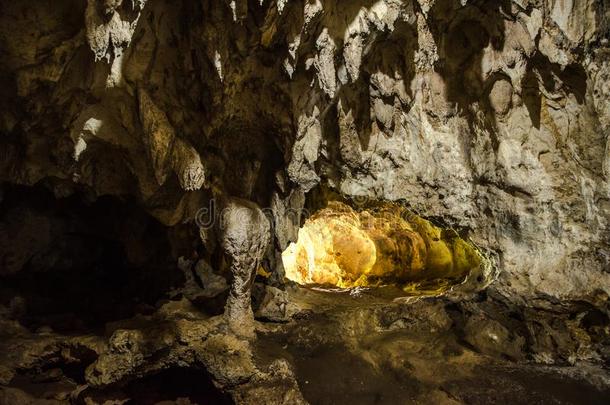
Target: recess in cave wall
380,245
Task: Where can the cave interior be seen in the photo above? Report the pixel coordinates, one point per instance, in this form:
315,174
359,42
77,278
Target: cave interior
292,202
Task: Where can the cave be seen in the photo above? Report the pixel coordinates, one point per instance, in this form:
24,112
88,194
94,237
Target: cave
382,245
74,265
304,202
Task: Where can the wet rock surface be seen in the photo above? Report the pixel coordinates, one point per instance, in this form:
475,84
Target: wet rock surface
157,157
346,348
427,352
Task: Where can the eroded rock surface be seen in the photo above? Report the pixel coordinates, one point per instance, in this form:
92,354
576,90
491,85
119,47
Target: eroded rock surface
381,245
126,126
244,236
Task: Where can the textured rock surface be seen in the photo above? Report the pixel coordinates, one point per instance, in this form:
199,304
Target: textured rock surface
126,124
244,236
492,116
381,245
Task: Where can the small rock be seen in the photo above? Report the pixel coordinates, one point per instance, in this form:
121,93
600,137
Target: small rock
273,304
500,96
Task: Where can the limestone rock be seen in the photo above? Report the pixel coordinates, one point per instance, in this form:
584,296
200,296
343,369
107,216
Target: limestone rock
244,236
301,168
166,150
187,166
500,96
159,133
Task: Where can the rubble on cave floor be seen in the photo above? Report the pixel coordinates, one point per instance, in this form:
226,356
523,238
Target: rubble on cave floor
360,350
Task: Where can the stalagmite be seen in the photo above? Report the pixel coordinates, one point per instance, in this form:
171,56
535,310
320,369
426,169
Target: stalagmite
244,236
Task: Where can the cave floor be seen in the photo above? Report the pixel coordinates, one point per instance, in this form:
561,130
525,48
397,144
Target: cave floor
342,349
399,368
392,354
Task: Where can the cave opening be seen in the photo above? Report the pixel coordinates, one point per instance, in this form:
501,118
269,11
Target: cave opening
177,385
71,263
381,244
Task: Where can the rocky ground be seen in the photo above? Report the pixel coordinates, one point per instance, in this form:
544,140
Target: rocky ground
319,347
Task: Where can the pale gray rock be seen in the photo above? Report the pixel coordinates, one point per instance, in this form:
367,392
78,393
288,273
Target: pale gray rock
301,168
244,235
500,96
325,63
288,212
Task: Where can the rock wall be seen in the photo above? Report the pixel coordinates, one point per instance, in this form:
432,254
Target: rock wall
491,116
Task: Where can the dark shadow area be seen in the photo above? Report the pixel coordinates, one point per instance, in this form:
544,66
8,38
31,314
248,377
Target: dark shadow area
211,306
533,385
176,383
531,96
332,374
461,33
58,374
249,160
74,264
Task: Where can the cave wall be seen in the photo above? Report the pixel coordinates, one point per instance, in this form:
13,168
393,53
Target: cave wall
491,116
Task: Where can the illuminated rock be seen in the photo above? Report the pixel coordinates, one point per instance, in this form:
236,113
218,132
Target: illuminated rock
383,245
332,249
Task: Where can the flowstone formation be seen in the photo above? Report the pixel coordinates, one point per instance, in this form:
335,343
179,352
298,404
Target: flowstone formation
381,245
163,169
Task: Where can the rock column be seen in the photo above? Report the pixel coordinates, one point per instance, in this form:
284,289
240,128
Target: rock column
244,236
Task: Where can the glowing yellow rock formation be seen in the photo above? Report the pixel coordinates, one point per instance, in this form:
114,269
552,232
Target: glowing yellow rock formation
383,245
